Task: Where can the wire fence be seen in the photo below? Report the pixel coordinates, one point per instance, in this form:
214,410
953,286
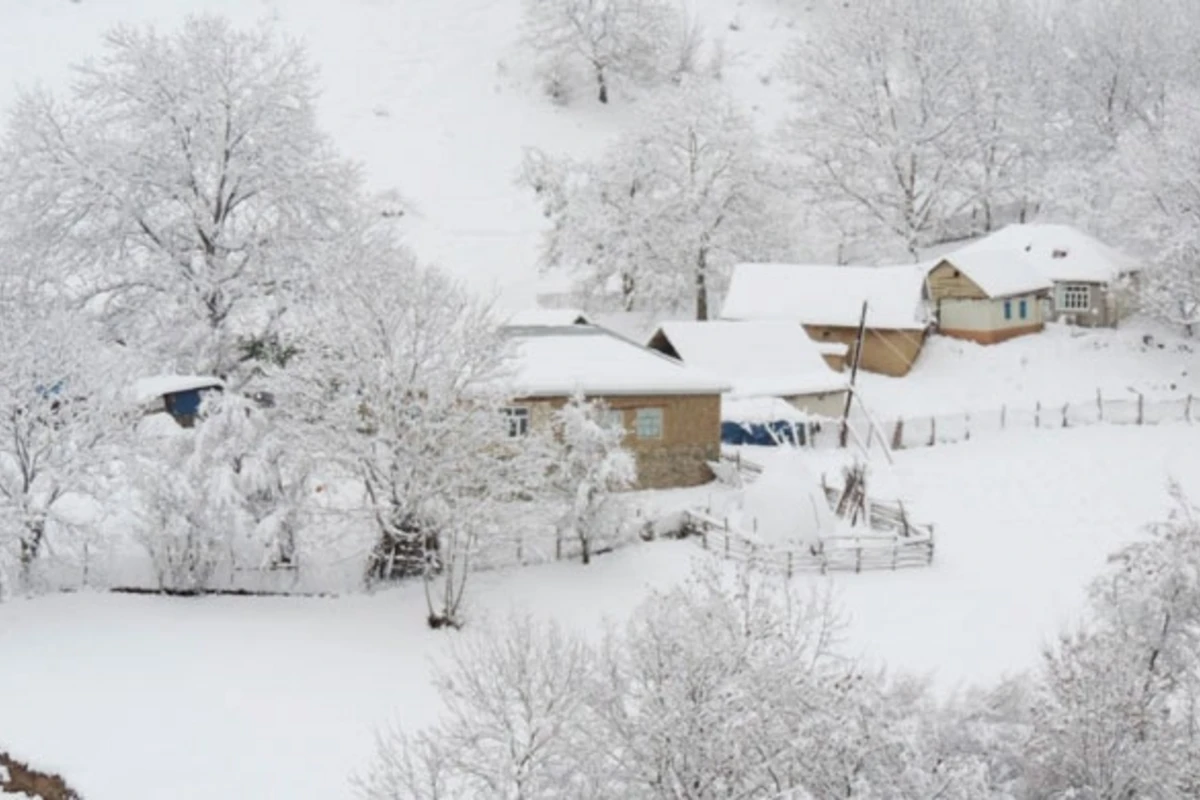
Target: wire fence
926,431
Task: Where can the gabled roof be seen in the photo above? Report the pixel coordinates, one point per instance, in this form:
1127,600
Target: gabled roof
828,295
757,358
997,273
559,361
1059,252
552,317
146,389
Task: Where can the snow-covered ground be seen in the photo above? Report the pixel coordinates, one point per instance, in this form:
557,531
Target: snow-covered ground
1060,365
436,99
140,697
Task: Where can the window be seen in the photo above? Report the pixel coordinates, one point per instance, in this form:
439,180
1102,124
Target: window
1008,309
649,423
1075,297
518,421
1024,309
613,418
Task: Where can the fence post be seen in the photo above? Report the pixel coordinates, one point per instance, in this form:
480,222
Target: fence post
1187,411
932,431
1003,417
704,536
858,559
1141,408
1099,404
898,434
558,545
1037,415
1065,407
789,564
895,548
520,549
967,415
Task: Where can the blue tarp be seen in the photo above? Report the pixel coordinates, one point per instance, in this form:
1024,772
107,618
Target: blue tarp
764,434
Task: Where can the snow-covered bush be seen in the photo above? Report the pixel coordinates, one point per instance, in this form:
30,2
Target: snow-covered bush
587,465
217,499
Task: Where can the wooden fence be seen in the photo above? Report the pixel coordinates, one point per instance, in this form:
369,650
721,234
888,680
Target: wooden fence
927,431
834,554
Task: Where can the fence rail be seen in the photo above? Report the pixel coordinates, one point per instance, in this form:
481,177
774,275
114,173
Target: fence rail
926,431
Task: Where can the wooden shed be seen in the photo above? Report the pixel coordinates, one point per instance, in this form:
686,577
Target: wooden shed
987,297
179,396
828,300
671,412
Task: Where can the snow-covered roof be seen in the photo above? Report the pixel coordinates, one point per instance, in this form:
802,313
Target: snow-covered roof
636,325
751,410
1060,253
551,317
827,348
997,273
757,358
147,389
556,362
828,295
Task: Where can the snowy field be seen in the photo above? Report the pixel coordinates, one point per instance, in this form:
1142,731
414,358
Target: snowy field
436,99
1060,365
138,697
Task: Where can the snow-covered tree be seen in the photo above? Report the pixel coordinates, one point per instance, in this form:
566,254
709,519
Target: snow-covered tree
880,105
217,498
630,39
59,411
664,213
588,464
513,697
183,186
401,383
1117,713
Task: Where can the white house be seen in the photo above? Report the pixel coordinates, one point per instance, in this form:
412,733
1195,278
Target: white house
986,296
1090,279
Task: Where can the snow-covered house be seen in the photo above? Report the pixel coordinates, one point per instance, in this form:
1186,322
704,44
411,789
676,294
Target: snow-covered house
758,359
828,300
1091,280
987,296
179,396
671,412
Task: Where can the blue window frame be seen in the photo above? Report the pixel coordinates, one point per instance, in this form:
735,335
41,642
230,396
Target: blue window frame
1024,309
1008,309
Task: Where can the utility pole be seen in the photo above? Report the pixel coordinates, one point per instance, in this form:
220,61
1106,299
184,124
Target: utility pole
858,347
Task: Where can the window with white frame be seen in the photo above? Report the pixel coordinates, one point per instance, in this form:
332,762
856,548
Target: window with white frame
518,421
1075,297
649,423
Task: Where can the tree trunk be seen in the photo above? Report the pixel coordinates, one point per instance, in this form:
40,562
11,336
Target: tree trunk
702,285
628,292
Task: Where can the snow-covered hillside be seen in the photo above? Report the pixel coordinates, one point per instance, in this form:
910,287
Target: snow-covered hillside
436,99
272,697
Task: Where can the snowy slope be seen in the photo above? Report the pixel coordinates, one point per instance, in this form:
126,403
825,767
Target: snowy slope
435,98
258,697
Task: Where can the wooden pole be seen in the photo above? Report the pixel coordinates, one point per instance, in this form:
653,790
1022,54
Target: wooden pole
1141,408
898,435
932,431
1099,404
1037,415
1065,407
1187,410
858,347
1003,417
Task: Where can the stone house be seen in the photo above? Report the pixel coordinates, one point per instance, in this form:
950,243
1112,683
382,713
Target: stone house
671,413
987,297
827,301
1093,284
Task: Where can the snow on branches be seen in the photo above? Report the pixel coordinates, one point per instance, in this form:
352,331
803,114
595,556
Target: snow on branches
182,186
662,216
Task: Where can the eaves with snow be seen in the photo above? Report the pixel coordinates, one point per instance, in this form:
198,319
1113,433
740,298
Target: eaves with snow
1060,253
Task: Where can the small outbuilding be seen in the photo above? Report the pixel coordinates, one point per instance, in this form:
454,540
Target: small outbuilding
1093,284
987,297
180,396
671,412
758,359
827,301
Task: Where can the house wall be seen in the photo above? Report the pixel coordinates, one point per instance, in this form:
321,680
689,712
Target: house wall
826,404
691,435
888,352
1102,311
946,281
983,320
